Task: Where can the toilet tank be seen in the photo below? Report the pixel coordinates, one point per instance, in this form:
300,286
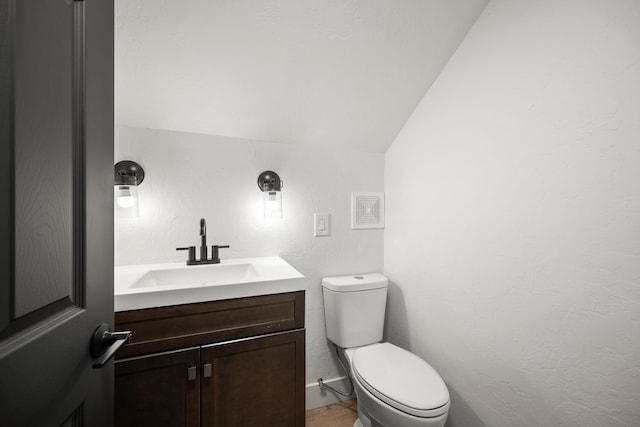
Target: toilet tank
354,308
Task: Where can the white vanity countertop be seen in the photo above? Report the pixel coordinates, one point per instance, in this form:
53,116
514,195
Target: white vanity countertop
157,285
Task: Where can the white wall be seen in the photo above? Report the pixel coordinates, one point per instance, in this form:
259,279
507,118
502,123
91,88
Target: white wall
344,73
513,221
191,176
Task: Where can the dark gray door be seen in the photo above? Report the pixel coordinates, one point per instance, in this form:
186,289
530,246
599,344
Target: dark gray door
56,210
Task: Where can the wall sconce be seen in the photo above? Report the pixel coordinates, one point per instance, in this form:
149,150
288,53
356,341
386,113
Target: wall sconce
128,175
271,185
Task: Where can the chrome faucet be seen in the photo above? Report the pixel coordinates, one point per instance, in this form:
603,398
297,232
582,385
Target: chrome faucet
204,258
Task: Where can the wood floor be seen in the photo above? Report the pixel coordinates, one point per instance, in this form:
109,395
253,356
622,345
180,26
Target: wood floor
342,414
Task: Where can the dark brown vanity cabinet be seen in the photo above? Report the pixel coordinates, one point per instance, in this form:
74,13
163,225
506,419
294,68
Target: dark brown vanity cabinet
224,363
156,390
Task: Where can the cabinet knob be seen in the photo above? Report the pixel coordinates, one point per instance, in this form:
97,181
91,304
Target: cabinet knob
206,370
191,373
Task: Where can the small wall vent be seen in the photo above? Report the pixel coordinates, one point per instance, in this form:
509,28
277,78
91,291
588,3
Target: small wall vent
367,210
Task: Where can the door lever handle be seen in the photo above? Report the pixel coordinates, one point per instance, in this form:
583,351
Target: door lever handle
105,343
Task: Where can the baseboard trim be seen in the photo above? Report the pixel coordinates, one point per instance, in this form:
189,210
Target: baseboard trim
318,397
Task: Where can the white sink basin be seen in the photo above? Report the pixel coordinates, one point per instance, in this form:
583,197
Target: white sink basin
156,285
202,275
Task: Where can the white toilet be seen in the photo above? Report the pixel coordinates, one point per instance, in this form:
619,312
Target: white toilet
394,388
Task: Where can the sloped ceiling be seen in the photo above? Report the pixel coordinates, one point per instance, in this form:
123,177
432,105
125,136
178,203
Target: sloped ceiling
340,73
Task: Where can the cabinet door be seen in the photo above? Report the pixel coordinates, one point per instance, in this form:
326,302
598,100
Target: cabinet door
161,389
254,382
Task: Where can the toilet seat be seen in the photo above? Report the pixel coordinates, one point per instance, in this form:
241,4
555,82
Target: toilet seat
401,379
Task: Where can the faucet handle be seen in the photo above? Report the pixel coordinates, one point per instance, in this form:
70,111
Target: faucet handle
192,253
214,252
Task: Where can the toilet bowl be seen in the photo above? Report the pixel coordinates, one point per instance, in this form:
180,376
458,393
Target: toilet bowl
394,387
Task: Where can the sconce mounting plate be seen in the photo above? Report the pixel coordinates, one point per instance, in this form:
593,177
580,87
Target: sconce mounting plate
269,181
128,172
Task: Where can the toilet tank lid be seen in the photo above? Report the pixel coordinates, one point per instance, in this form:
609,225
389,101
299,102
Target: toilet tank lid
355,282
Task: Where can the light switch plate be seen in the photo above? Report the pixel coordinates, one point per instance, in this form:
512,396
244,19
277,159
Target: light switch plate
320,224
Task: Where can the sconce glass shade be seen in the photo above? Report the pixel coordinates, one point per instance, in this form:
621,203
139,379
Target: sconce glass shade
127,176
127,201
272,204
124,198
270,184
